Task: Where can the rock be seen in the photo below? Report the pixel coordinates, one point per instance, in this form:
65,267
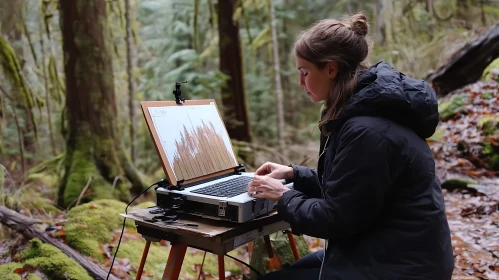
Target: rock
448,108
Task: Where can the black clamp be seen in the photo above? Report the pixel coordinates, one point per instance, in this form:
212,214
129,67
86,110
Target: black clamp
178,93
238,169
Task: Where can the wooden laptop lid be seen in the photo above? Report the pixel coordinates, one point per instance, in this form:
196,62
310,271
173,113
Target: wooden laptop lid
191,139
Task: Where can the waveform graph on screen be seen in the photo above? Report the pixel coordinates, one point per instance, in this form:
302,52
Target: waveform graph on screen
194,139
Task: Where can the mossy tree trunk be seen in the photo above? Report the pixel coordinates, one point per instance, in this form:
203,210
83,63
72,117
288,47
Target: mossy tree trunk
11,26
231,64
93,153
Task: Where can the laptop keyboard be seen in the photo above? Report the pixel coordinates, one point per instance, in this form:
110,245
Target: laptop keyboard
227,188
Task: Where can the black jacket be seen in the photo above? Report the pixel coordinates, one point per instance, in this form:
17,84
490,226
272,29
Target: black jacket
375,195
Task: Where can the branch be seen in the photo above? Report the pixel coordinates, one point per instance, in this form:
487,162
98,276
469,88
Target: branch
23,225
467,64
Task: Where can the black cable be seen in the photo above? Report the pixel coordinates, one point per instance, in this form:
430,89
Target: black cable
123,229
250,267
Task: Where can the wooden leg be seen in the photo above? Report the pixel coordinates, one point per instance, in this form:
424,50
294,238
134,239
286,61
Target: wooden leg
274,261
292,243
174,264
270,252
143,260
221,268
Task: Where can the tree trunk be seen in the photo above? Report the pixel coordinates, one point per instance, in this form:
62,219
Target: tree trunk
277,78
290,101
384,10
24,225
231,64
11,25
467,64
93,149
130,57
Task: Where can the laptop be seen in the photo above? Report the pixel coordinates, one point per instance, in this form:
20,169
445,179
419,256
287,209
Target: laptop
199,162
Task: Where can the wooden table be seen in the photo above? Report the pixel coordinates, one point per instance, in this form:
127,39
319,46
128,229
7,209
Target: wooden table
217,237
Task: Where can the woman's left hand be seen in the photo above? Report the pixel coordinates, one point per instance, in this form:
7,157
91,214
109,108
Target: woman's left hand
266,187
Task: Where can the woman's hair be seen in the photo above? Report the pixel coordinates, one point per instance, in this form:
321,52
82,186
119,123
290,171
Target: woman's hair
340,41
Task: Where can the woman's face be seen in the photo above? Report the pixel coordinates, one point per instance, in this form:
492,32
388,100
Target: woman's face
315,81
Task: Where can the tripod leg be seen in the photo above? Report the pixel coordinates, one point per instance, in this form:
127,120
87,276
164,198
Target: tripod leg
174,264
143,260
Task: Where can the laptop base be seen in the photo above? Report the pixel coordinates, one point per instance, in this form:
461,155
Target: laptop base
214,208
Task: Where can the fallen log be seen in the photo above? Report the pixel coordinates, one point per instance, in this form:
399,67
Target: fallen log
23,225
466,65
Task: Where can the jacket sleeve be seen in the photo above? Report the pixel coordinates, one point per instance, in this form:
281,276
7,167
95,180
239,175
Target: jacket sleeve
306,181
354,188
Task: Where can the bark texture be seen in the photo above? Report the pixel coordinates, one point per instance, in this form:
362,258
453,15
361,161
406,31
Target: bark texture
93,148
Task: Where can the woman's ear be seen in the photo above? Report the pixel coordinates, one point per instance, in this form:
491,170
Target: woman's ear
333,69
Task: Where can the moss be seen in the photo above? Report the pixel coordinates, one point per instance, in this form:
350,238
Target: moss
438,135
7,271
156,258
12,70
487,95
489,124
35,202
100,164
47,172
92,223
490,154
34,277
457,184
55,264
282,248
492,71
82,168
449,108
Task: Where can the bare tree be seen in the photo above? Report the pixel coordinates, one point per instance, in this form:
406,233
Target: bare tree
131,58
277,79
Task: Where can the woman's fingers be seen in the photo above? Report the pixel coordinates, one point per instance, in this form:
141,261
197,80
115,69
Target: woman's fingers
264,169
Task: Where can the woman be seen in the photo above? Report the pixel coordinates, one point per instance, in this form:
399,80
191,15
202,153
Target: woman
374,196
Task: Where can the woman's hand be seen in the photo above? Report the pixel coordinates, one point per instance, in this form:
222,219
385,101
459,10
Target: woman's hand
276,171
266,187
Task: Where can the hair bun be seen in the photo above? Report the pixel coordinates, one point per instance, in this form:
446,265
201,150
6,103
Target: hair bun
358,24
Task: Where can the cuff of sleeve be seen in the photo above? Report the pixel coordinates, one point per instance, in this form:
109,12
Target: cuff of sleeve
283,204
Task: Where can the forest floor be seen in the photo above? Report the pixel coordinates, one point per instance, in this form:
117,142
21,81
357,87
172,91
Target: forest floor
472,205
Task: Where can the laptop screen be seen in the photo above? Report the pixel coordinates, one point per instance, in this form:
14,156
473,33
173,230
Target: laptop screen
193,138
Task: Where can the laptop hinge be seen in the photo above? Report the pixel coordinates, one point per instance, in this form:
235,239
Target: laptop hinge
222,205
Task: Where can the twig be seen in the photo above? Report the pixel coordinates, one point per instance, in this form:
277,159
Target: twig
6,94
84,190
21,141
114,182
201,268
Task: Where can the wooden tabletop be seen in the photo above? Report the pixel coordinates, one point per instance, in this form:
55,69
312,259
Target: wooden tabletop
212,235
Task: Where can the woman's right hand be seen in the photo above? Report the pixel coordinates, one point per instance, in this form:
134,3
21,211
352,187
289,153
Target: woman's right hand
276,171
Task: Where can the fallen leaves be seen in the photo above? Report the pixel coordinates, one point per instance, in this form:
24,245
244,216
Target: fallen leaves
473,220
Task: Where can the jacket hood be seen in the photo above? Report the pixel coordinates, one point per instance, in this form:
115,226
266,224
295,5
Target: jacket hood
385,92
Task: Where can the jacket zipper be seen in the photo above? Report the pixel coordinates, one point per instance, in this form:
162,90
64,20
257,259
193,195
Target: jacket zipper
323,197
